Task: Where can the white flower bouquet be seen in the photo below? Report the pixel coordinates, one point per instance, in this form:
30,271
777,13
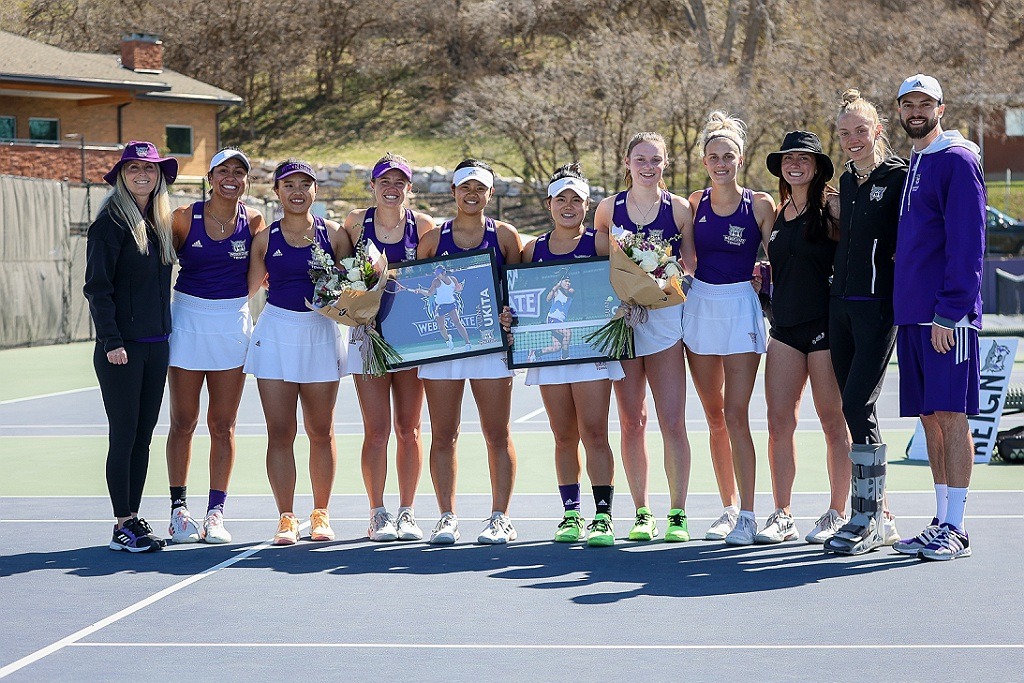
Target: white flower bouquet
349,292
645,275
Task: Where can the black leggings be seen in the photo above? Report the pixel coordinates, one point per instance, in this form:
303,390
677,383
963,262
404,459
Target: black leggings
862,337
132,394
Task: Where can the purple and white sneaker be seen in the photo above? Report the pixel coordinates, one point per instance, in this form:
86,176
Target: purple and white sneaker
950,544
914,545
133,538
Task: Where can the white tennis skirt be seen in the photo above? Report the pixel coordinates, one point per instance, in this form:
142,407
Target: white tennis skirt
664,327
209,334
578,372
296,346
721,320
487,366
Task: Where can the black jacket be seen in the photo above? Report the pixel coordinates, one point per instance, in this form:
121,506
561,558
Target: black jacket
868,216
129,294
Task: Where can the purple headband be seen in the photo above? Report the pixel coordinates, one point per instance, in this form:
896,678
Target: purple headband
294,167
385,166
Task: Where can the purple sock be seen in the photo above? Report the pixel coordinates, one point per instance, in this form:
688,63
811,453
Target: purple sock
570,494
217,499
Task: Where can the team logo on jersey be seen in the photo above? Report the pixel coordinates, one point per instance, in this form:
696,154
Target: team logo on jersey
876,193
735,237
197,245
278,253
238,250
656,234
753,338
917,182
410,253
703,219
774,233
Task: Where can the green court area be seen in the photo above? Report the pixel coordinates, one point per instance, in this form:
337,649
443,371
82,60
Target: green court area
64,463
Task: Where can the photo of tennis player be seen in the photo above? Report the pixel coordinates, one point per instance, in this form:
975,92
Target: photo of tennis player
556,305
442,308
560,299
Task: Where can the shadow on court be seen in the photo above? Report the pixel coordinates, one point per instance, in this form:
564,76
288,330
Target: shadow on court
591,575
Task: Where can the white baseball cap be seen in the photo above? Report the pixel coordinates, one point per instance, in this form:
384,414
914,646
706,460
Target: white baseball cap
922,84
569,183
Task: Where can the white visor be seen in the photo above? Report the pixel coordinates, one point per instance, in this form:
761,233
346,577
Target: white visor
473,173
225,154
569,183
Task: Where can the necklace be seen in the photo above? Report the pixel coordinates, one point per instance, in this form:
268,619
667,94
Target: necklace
799,209
223,224
645,214
862,176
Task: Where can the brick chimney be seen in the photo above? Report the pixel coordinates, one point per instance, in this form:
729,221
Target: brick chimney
142,52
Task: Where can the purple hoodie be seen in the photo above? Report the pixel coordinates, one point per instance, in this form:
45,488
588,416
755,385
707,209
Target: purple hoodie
940,247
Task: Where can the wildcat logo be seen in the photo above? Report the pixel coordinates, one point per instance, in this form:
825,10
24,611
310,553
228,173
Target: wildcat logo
995,361
142,150
410,253
238,250
656,234
876,193
735,236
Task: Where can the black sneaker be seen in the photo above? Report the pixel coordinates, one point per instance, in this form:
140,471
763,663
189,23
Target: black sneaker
144,525
133,538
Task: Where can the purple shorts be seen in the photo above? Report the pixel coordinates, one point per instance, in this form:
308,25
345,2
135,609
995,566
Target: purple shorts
931,381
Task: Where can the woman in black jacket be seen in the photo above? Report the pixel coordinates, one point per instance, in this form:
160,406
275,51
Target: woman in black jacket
129,256
861,326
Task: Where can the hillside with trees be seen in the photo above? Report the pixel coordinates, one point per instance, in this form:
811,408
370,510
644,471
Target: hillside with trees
530,84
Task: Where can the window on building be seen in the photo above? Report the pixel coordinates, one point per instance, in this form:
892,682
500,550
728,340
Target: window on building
44,130
1015,122
179,140
8,128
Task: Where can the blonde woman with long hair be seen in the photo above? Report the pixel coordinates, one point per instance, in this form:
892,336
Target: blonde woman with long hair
129,257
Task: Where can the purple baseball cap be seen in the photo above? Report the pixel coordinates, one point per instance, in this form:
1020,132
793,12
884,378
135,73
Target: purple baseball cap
293,167
139,150
385,166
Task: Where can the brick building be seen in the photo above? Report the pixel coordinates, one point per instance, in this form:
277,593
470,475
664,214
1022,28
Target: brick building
66,114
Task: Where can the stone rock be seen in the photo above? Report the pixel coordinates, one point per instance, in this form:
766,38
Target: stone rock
439,187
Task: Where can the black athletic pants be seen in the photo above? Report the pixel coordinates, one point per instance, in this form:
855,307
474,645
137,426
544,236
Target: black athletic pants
862,337
132,394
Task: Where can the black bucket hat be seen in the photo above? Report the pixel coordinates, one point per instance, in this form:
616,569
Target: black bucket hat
801,141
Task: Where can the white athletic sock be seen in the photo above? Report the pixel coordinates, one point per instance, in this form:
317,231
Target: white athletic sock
957,501
941,495
734,509
403,508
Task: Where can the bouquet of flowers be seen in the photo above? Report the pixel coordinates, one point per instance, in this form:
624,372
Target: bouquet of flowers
644,275
349,292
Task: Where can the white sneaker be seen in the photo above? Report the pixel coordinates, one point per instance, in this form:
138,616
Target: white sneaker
183,529
826,527
448,343
213,528
889,531
723,526
446,531
499,529
382,527
469,347
408,529
779,527
744,532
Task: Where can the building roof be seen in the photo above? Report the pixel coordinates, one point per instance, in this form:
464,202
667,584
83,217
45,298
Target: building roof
33,64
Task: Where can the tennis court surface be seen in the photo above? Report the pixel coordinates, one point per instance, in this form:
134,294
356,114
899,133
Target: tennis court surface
534,610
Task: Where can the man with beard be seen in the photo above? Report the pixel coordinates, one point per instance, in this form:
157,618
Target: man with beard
937,300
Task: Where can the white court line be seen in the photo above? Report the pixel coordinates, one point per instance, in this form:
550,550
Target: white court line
572,647
38,396
515,518
530,415
128,611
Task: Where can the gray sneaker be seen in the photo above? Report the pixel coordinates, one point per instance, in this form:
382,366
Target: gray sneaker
744,533
382,527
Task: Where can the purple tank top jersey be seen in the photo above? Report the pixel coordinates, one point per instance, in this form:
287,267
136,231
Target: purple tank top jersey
214,269
585,248
663,225
403,250
726,246
288,267
446,243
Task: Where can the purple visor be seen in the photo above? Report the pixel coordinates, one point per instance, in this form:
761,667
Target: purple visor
293,168
385,166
